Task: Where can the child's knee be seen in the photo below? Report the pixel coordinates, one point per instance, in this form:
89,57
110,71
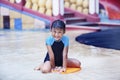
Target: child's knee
78,64
45,70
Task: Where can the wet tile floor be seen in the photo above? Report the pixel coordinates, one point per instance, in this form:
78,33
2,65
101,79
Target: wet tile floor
21,51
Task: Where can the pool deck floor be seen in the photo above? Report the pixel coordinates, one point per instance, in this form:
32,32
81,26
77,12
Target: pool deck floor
22,51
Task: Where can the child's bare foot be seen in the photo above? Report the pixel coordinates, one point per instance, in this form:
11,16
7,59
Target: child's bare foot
37,68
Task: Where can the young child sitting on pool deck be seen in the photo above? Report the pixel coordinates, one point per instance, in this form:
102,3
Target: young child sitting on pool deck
57,45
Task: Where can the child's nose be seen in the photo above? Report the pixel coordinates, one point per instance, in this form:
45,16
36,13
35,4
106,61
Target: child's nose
56,34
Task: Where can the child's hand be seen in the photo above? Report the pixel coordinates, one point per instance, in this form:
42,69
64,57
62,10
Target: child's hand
62,69
59,69
52,63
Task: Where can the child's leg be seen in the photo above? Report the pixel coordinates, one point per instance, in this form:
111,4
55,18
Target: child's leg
73,63
46,67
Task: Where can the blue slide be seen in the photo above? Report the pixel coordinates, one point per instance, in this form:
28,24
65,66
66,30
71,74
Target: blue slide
106,39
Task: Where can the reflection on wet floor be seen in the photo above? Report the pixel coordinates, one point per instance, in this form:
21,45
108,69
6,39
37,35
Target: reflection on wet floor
21,51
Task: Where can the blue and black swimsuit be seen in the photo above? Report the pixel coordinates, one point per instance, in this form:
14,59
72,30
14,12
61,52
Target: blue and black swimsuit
57,47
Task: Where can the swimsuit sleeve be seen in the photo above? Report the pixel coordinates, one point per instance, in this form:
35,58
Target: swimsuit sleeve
65,40
49,40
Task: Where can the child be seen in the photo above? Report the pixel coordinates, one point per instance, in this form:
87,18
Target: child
57,46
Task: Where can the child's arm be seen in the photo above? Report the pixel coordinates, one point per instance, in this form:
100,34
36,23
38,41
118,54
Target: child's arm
51,55
65,53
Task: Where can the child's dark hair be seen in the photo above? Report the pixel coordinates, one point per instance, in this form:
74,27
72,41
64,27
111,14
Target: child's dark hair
58,24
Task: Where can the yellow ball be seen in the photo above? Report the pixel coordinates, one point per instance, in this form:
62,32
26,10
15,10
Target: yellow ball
85,11
49,4
66,0
79,2
67,4
42,10
12,1
41,3
79,9
85,3
35,7
73,6
72,1
34,1
28,0
49,12
28,4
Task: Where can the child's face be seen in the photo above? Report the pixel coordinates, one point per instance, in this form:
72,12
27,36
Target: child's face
57,33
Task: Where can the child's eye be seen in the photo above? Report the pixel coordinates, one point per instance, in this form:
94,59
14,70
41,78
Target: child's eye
54,31
59,32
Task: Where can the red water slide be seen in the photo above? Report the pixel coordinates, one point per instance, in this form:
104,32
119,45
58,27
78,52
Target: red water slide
112,7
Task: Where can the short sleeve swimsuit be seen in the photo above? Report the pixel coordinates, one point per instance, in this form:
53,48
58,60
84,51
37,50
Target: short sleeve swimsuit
57,47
